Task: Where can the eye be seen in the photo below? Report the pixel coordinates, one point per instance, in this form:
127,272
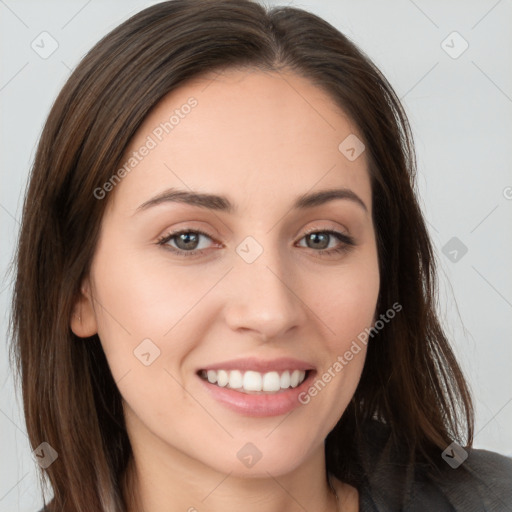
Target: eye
186,241
320,241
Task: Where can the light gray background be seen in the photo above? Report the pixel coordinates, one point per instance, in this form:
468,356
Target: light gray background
460,110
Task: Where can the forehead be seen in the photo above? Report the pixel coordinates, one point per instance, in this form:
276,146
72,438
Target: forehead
244,133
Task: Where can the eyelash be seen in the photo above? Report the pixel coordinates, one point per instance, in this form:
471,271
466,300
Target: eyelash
348,242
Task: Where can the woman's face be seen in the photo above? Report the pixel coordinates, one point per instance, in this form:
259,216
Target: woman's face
264,291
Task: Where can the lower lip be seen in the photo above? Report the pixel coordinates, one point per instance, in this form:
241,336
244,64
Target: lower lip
272,404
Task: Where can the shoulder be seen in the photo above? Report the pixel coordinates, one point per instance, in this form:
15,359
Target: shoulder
484,478
470,481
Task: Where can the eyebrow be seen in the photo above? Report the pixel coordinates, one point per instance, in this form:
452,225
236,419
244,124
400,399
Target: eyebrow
223,204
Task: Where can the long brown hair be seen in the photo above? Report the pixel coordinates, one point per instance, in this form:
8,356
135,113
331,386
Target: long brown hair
410,381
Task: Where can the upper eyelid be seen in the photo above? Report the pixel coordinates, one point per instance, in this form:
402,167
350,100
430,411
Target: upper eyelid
329,227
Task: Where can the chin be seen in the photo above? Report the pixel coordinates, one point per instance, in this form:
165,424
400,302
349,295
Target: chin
255,456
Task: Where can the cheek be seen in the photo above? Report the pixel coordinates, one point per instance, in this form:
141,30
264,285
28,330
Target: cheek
138,310
145,297
345,300
142,325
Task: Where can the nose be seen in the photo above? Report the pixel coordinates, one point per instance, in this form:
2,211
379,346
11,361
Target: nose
264,298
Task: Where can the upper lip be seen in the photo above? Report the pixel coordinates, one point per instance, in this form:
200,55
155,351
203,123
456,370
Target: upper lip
260,365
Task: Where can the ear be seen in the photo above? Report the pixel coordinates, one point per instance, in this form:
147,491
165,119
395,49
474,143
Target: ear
83,318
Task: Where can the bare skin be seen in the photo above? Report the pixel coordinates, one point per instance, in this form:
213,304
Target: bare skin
262,140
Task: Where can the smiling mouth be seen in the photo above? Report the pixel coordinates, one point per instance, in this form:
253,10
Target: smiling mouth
253,382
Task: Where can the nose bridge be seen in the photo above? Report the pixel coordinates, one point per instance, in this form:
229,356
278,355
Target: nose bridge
263,298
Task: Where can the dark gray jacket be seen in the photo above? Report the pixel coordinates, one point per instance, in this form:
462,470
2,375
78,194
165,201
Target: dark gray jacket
482,483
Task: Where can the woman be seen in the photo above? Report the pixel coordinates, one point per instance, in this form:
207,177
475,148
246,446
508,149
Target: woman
225,291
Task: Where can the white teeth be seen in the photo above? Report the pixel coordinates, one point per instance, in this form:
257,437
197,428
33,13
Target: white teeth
294,378
235,379
252,381
271,381
285,379
222,378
